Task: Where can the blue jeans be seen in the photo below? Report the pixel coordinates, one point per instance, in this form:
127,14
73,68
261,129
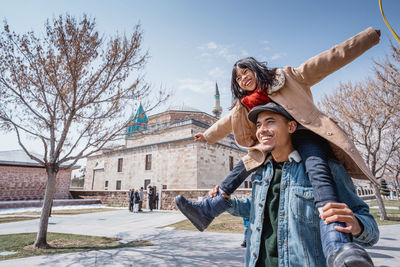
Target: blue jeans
235,178
314,151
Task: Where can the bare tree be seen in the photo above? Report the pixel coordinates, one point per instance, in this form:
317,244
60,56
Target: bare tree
71,89
387,72
370,123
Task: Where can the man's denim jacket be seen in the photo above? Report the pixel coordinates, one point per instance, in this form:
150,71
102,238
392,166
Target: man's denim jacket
298,224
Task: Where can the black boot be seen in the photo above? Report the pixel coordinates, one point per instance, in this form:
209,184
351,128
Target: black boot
202,213
339,250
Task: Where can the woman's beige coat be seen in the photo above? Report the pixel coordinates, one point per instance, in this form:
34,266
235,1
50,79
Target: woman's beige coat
295,96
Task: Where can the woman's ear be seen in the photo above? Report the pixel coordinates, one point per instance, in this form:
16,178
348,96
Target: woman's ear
292,126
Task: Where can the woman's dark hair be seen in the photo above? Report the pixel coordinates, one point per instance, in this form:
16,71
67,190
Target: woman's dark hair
263,75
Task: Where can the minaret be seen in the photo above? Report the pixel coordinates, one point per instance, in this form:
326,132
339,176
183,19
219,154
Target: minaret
217,110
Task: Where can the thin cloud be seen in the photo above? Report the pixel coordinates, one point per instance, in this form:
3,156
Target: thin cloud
211,45
214,50
244,53
266,45
196,86
216,73
278,56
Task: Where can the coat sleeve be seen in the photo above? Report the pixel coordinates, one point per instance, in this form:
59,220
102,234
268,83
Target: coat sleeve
240,207
220,129
318,67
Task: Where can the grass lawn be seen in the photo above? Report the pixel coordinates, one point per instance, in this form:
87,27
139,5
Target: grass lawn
16,219
388,203
19,217
60,243
224,223
393,214
65,212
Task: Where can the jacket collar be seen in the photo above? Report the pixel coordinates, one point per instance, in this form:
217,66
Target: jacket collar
278,82
294,156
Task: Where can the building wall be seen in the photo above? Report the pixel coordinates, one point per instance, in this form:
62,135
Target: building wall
173,165
177,161
214,165
29,183
179,165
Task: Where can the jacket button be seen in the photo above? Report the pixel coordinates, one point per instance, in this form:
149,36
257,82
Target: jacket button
258,229
259,204
352,150
329,133
254,254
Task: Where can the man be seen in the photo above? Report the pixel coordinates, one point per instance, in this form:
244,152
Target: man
141,195
157,198
131,192
284,224
150,197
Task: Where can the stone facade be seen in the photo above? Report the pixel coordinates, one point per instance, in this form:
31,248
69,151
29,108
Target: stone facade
165,156
29,183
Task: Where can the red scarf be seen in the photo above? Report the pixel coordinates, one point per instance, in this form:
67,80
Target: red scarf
255,98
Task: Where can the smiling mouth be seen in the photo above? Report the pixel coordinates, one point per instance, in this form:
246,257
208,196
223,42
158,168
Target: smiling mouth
266,138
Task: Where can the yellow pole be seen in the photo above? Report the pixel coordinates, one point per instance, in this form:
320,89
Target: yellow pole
387,23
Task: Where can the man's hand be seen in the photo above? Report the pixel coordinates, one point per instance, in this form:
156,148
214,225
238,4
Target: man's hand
199,137
340,212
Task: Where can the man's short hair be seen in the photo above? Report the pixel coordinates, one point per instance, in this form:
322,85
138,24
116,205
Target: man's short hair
271,106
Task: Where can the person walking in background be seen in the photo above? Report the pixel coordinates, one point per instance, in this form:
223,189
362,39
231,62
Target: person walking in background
136,197
141,195
150,196
157,199
131,196
246,226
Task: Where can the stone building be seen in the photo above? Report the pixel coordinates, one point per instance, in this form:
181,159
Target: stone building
22,178
163,154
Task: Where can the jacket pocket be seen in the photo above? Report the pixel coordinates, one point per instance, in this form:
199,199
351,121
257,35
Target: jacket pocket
302,205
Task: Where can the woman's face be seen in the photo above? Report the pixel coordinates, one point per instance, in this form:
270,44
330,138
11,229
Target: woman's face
246,79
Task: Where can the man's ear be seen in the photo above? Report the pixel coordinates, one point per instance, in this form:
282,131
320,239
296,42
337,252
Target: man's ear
292,126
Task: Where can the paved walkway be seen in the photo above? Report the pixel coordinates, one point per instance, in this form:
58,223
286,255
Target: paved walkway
171,247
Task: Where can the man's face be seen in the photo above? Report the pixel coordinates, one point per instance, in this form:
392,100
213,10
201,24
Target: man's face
274,131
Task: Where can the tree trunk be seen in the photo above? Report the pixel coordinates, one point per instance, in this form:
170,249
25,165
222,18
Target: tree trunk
382,209
41,238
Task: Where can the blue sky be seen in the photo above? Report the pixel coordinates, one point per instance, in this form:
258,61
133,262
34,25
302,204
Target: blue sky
193,44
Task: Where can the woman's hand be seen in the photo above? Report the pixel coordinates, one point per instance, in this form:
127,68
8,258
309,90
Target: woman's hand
340,212
199,137
213,192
